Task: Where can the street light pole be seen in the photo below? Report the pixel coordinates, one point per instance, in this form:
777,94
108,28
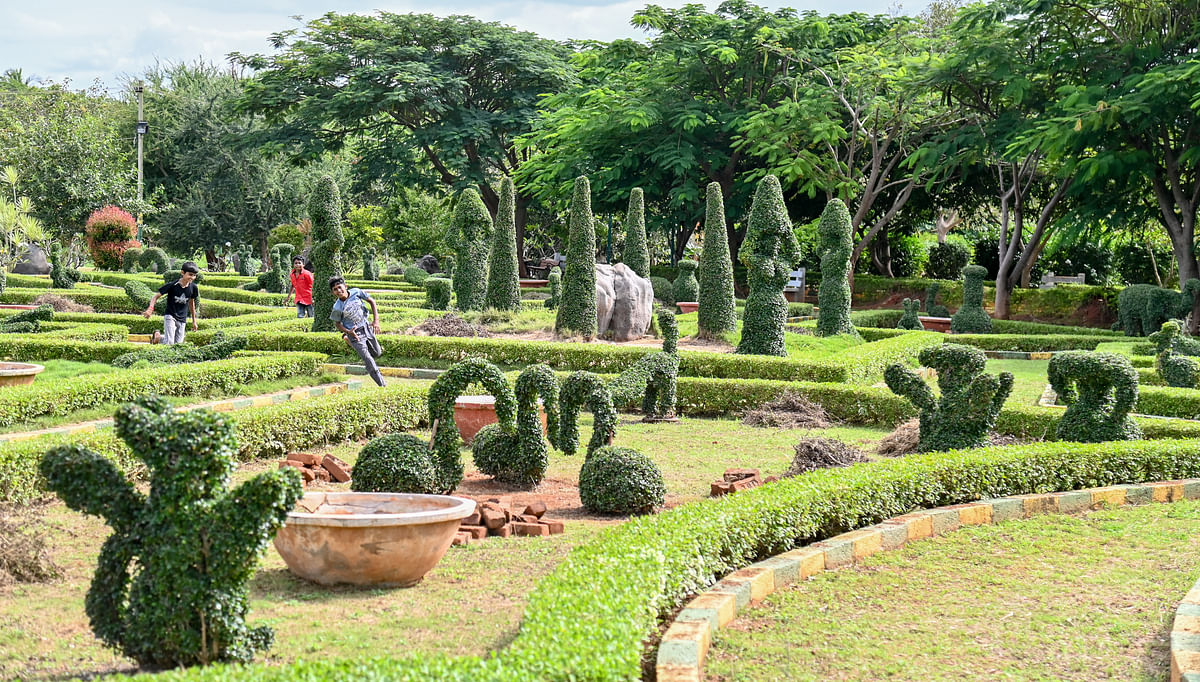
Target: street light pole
141,131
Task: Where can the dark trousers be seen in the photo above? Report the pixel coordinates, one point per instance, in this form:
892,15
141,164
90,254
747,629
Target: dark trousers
367,347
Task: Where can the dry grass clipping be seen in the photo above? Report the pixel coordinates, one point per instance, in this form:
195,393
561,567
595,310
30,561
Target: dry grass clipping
902,441
450,324
822,453
24,557
61,304
789,411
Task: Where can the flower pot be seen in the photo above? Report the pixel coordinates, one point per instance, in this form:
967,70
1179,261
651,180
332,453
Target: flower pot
18,373
686,307
935,324
473,412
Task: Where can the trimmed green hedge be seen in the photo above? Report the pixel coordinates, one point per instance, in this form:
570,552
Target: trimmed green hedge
34,347
590,618
208,292
98,332
115,301
1028,344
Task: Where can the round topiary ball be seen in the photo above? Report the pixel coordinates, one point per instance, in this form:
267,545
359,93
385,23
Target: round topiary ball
616,480
395,463
495,452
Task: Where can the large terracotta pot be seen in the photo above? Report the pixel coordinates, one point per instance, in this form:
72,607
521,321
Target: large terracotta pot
377,539
18,373
473,412
686,307
534,283
935,324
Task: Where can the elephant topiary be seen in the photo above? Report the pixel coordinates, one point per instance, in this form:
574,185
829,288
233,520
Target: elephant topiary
1143,308
1175,369
911,318
1099,390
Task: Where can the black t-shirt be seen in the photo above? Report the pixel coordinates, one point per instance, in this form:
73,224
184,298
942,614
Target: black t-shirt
177,298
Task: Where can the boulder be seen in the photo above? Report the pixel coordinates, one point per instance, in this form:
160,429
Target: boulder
33,263
624,302
428,263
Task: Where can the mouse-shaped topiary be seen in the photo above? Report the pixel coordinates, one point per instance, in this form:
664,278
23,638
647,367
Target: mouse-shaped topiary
1099,390
911,318
170,585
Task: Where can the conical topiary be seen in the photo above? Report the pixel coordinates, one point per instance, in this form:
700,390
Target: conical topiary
503,285
473,226
833,298
770,253
635,254
325,211
577,309
717,313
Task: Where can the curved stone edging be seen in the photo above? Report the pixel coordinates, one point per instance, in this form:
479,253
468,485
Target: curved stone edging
685,644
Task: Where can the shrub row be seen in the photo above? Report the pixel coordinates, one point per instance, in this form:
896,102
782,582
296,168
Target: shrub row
34,347
116,301
590,618
1028,344
208,291
136,324
97,332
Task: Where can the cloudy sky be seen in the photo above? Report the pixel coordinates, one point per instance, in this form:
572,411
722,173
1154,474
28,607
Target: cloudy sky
86,40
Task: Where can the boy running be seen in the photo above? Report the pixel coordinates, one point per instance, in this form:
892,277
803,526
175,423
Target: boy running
302,285
350,316
182,297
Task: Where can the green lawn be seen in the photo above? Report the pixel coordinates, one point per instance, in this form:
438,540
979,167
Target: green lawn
1049,598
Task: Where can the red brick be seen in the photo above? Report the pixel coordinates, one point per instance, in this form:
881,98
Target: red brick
338,470
476,532
472,520
530,528
460,539
732,475
720,488
321,474
556,526
746,484
536,509
501,532
289,463
305,458
307,474
492,518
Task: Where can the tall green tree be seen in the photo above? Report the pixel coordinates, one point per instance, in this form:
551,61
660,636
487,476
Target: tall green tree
577,309
504,287
325,211
453,92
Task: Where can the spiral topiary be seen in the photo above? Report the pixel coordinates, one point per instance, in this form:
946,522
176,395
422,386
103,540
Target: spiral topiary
635,254
932,307
616,480
577,309
325,211
770,253
1099,390
555,278
686,288
130,259
584,389
370,271
442,395
1175,369
970,400
503,283
437,293
837,246
62,276
653,377
154,260
473,226
971,318
911,318
171,582
395,463
717,313
518,454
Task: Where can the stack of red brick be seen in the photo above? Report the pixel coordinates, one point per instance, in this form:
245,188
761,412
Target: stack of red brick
735,480
496,519
318,469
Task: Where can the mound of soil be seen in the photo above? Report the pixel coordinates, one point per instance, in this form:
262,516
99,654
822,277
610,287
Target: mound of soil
449,324
62,304
822,453
789,411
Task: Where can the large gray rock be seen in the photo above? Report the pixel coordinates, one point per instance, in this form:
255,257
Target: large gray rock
624,302
33,263
428,263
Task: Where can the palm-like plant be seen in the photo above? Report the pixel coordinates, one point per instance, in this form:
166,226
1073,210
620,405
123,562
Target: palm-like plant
18,226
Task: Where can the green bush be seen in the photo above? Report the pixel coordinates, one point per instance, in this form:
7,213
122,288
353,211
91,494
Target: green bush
577,309
517,453
1175,369
946,261
770,253
42,313
932,307
635,255
473,227
103,333
653,377
130,259
686,288
969,402
370,266
171,583
911,319
971,318
664,291
1029,344
837,246
325,211
154,259
61,275
799,310
140,295
415,276
395,463
182,353
437,293
616,480
1099,390
1143,308
555,281
503,279
276,279
442,395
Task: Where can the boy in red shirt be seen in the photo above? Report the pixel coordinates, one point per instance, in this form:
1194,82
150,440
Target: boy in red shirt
302,284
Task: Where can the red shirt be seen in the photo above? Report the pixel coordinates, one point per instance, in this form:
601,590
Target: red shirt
302,284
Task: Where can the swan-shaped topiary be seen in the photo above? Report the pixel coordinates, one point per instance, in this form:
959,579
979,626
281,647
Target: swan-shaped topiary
442,395
1175,368
519,454
653,378
584,389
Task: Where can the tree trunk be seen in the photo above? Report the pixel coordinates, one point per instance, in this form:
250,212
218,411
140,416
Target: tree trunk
264,252
881,257
214,264
1028,269
522,217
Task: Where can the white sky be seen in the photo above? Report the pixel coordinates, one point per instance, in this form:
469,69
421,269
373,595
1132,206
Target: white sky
86,40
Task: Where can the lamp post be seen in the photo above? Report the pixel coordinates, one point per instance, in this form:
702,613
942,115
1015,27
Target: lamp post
142,128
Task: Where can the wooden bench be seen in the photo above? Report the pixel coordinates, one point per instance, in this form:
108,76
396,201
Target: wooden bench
794,291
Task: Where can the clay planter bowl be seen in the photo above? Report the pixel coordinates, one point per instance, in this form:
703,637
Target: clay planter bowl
376,539
688,307
935,324
473,412
18,373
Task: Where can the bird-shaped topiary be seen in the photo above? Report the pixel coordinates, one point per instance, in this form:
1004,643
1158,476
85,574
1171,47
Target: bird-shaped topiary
1099,390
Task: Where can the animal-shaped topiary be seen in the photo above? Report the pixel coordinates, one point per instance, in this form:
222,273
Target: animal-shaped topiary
170,584
932,307
154,260
1099,390
517,453
911,318
276,279
62,276
770,253
218,348
442,395
686,286
370,266
971,318
28,322
584,389
1175,369
653,378
970,400
437,293
555,280
139,294
130,259
247,264
837,246
1143,308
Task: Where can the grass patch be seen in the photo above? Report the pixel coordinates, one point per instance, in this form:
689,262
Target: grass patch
1053,597
70,369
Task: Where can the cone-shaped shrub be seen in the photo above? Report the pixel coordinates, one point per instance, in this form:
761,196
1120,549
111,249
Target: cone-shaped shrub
718,311
833,298
577,309
503,285
325,211
770,253
971,318
635,254
473,226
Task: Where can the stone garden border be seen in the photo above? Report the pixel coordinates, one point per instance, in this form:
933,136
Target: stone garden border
685,644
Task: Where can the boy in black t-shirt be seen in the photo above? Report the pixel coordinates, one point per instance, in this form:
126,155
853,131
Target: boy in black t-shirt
182,297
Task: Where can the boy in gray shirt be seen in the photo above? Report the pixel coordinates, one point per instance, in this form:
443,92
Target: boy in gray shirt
350,316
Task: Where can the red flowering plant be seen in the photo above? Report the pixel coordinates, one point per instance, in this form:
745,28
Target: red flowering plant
110,232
